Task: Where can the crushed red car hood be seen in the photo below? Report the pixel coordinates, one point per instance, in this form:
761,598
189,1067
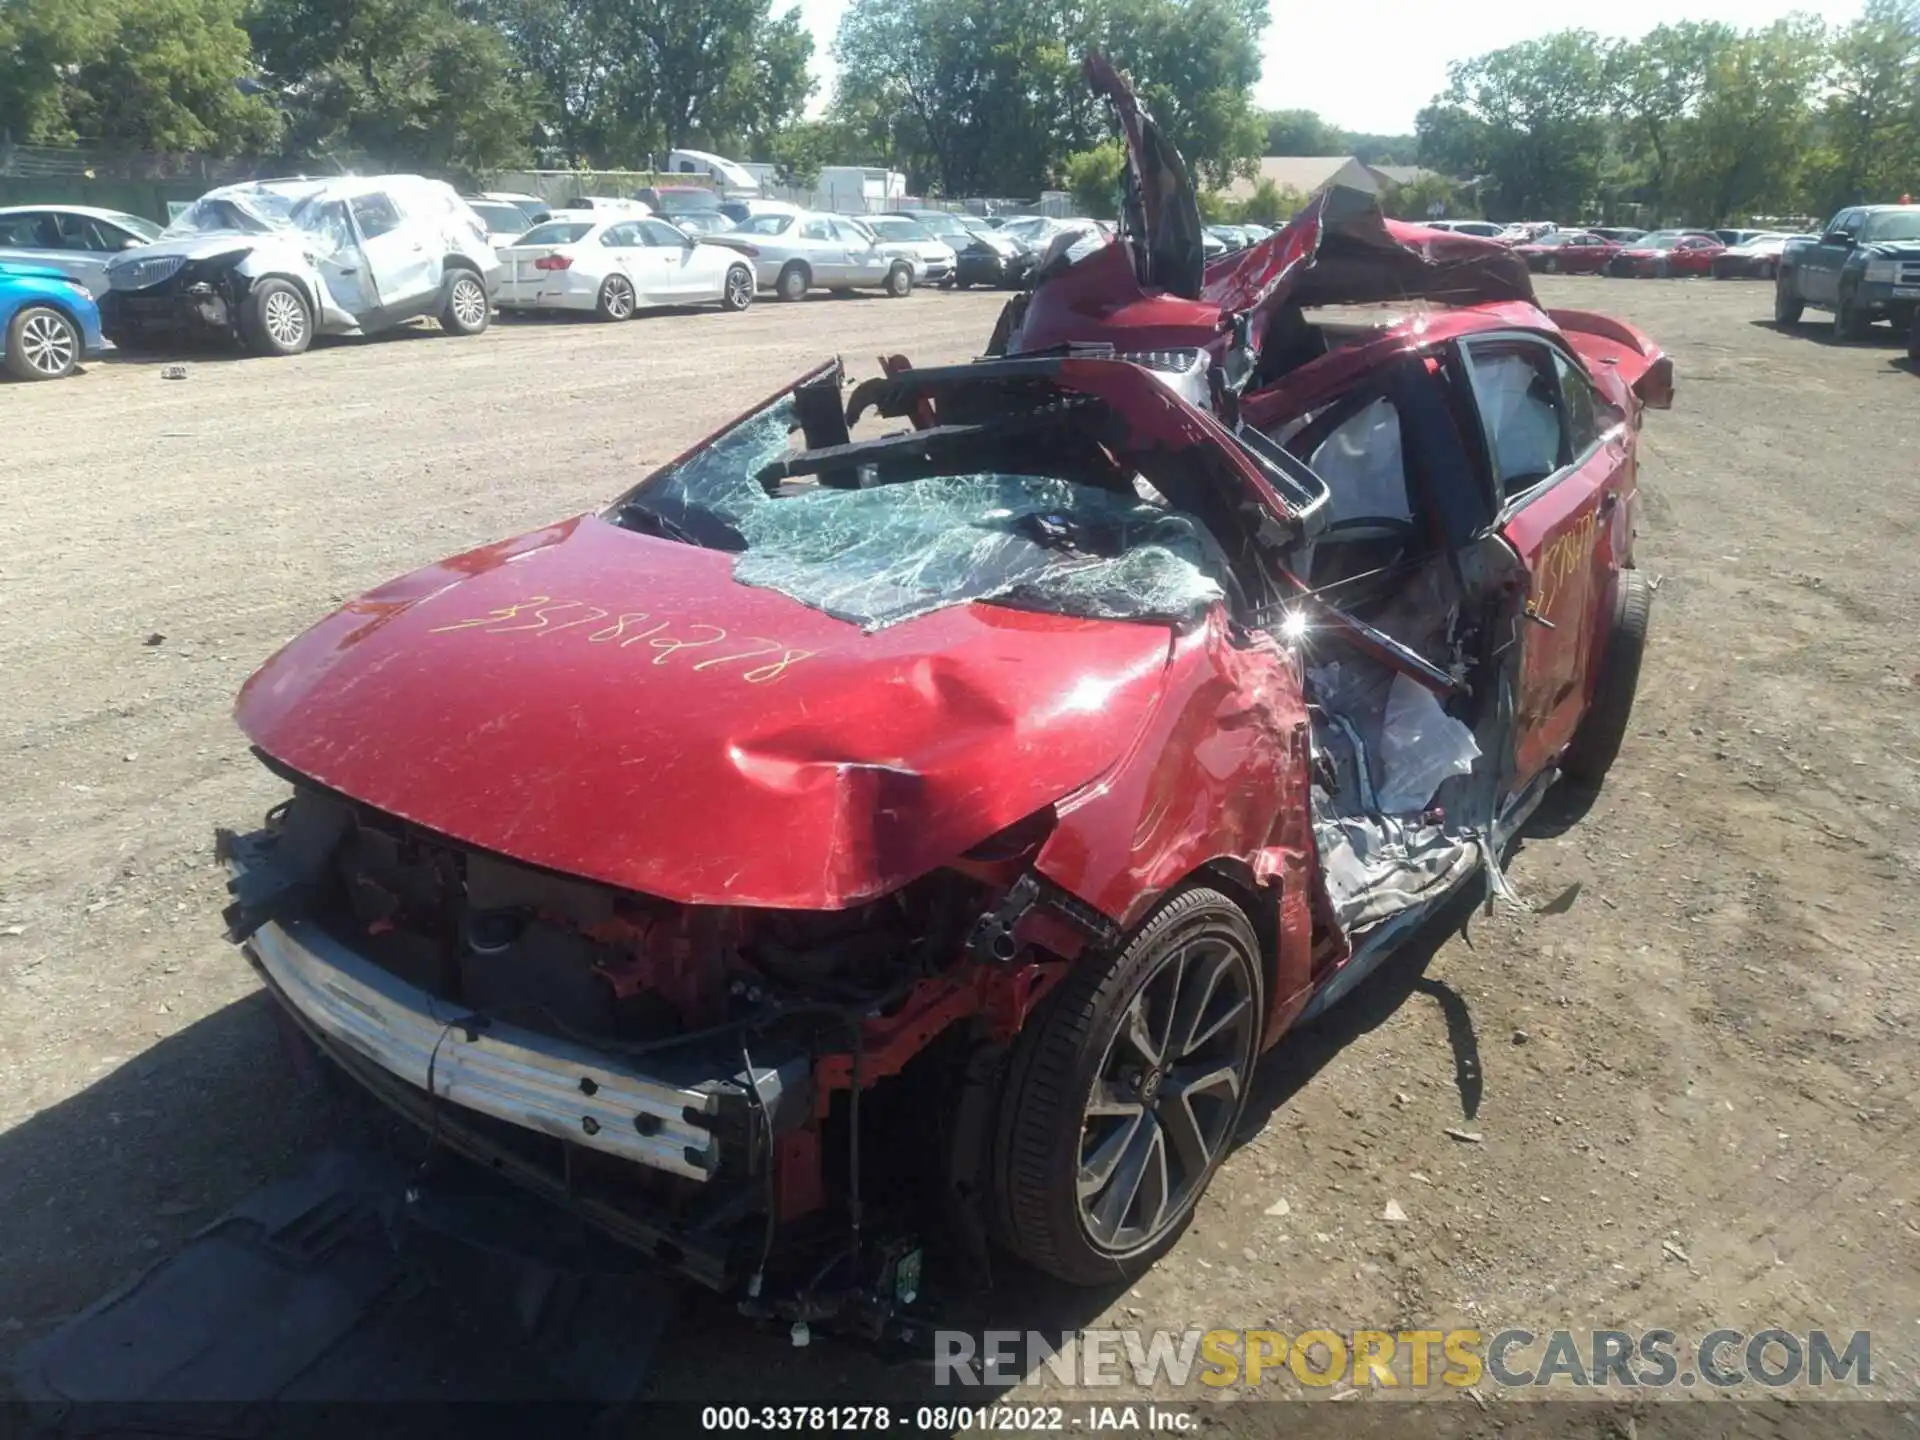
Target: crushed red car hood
1339,250
618,707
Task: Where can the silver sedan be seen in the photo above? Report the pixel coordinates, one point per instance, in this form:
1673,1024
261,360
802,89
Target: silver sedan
809,250
77,240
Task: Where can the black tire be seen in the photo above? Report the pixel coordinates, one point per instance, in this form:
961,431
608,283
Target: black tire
900,281
1074,1040
1787,307
736,291
1551,265
1597,742
464,306
958,283
793,282
42,344
616,301
276,319
1850,322
1913,339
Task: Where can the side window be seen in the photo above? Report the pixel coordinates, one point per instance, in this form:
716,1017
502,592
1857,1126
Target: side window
29,230
852,233
661,234
329,229
375,214
815,230
1848,221
1518,396
616,237
77,232
1587,414
1364,466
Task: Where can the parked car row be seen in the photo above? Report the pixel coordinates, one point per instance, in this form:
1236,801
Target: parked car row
269,265
1623,250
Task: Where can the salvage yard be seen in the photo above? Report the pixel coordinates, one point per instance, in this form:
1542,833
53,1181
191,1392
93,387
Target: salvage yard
1683,1095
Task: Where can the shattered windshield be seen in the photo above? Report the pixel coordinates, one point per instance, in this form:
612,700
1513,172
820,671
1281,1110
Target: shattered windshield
885,541
254,210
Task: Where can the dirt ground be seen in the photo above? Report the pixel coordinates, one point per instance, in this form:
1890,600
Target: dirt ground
1693,1085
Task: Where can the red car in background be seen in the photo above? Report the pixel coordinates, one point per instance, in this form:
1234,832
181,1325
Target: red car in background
845,838
1570,252
1669,252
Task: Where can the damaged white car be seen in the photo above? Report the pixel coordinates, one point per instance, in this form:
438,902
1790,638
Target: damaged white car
273,263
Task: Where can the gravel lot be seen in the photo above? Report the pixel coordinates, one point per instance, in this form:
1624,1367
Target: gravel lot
1694,1086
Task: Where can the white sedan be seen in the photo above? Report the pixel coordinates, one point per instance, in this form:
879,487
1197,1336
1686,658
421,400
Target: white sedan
616,265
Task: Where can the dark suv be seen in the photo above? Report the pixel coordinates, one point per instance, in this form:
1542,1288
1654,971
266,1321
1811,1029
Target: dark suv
1865,266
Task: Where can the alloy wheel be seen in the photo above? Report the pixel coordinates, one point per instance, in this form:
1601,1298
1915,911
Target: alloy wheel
285,319
739,289
49,344
469,303
1163,1101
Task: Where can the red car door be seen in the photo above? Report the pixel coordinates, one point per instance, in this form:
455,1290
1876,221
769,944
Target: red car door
1562,463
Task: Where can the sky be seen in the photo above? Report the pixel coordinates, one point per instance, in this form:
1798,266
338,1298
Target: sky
1370,65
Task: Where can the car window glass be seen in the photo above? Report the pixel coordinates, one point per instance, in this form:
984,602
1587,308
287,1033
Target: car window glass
556,232
327,227
661,234
1893,225
1362,463
618,236
1520,413
374,214
815,230
76,232
30,230
1587,415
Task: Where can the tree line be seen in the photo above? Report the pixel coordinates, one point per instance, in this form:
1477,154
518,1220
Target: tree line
1692,121
966,96
440,85
1701,121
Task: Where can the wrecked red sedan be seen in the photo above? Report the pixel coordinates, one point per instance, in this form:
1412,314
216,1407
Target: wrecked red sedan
911,812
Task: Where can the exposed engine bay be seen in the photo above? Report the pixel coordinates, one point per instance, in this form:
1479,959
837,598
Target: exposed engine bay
770,1071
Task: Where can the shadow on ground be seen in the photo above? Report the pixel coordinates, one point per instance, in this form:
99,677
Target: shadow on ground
1820,332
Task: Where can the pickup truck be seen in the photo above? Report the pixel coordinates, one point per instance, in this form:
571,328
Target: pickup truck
1865,266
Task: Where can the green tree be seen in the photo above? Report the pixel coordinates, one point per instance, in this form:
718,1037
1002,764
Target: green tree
134,74
403,83
1269,203
1450,140
1540,131
985,96
1194,64
984,88
621,80
1872,109
801,149
1377,149
1748,140
1303,132
1654,86
1416,199
1093,179
559,46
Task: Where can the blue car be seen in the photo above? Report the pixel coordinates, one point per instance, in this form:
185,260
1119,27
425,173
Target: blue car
48,323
